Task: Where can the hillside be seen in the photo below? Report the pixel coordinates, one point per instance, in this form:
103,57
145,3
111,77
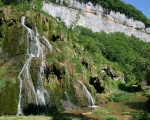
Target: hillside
47,66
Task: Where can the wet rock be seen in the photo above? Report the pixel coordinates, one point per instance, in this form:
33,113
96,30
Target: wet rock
109,72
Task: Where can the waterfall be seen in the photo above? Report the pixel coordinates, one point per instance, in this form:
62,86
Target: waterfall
48,45
34,49
88,94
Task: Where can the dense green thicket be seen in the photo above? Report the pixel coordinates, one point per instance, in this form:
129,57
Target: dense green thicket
131,54
120,97
8,2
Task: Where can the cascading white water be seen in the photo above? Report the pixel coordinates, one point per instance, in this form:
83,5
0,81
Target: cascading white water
88,94
66,71
66,95
48,45
34,49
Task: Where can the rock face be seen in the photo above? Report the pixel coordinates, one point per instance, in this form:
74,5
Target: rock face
97,18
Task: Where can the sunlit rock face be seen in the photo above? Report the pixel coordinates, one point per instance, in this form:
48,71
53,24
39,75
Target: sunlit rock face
97,18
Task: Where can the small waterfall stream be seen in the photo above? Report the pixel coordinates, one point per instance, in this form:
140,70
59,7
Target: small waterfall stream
88,94
34,49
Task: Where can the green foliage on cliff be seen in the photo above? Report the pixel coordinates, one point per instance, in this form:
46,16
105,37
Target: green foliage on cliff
8,2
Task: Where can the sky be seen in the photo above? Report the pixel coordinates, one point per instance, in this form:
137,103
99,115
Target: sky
142,5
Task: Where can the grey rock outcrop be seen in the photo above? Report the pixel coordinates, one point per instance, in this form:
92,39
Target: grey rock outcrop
97,18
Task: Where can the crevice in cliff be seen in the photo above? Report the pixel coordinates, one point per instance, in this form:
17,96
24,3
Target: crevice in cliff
32,109
29,25
96,83
84,62
1,34
1,22
55,38
11,22
59,73
47,72
109,72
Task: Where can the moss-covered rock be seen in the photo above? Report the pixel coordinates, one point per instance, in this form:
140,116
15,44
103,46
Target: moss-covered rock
9,86
13,43
35,70
9,97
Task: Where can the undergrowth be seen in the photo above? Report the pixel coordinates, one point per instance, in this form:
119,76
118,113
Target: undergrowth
120,97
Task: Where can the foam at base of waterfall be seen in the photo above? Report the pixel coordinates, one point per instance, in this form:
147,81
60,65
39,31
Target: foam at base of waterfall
94,106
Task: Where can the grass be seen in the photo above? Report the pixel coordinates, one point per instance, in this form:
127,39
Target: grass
64,117
110,117
121,97
102,111
140,116
25,118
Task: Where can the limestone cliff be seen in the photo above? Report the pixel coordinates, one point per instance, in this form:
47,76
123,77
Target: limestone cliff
97,18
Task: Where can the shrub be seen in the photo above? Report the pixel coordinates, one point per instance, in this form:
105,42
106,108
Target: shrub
140,116
102,111
121,97
110,117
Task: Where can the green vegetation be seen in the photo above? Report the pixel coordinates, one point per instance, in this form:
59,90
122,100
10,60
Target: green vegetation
1,41
25,118
121,97
128,54
102,111
110,117
4,81
138,115
42,117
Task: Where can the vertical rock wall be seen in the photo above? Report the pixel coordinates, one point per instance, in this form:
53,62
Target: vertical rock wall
97,18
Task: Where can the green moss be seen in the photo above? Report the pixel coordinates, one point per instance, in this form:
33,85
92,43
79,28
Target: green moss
9,85
13,43
9,97
3,71
35,69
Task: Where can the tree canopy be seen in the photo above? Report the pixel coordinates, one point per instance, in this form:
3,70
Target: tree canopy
132,54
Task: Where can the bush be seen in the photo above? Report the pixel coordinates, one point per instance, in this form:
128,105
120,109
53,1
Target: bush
110,117
102,111
140,116
121,97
